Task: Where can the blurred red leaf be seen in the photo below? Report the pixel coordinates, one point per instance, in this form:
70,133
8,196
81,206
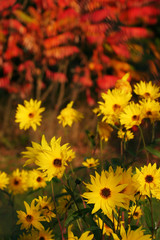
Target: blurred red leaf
61,52
121,50
57,40
4,82
86,81
7,68
12,52
136,32
56,76
107,81
6,4
134,15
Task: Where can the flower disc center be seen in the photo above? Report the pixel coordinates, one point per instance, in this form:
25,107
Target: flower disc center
29,218
135,117
57,162
149,178
105,192
39,179
31,115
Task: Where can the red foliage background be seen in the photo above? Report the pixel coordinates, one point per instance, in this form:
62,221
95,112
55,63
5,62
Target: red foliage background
79,46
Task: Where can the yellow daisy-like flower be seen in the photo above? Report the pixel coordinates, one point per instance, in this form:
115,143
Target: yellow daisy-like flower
135,211
4,180
91,163
42,235
126,178
46,207
126,135
137,234
69,115
147,90
131,115
64,203
105,192
85,236
151,109
32,153
25,236
114,102
124,84
31,218
104,130
18,182
54,157
148,179
37,179
29,115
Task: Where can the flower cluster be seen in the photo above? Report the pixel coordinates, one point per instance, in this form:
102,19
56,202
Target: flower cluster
114,202
120,109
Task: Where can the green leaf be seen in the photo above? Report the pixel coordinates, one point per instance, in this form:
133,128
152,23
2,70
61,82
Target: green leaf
147,216
76,215
153,151
24,17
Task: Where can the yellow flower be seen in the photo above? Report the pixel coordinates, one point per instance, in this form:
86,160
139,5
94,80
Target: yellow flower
124,84
131,115
29,115
18,181
114,102
126,135
31,218
69,115
126,178
32,152
148,179
4,180
104,130
25,237
37,179
85,236
91,163
151,109
106,229
46,207
135,211
137,234
64,203
53,158
147,90
105,192
42,235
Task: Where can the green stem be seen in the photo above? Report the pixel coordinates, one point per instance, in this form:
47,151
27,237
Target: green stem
59,223
152,220
144,144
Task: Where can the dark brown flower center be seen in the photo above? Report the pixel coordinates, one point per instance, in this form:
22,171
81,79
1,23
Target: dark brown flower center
91,164
39,179
149,113
135,214
116,107
31,115
147,94
105,192
135,117
57,162
16,182
149,178
41,238
29,218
